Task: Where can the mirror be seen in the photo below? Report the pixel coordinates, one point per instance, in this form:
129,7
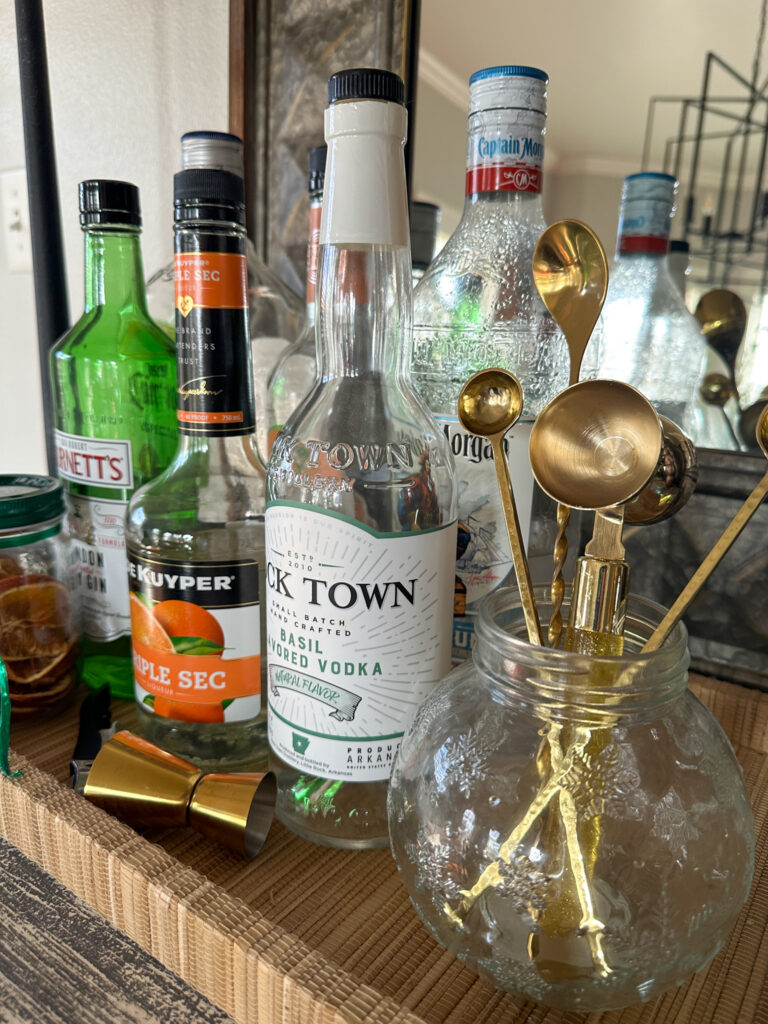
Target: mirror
599,98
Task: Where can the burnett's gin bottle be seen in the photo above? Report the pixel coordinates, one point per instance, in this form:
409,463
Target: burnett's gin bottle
650,340
361,532
114,378
476,307
195,534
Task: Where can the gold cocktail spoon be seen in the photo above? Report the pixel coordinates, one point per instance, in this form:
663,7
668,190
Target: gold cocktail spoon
490,403
718,552
571,274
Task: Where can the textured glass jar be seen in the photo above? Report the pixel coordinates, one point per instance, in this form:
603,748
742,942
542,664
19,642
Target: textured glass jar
665,837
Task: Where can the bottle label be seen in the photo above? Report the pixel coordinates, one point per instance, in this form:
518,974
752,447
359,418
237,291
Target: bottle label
504,161
97,530
483,554
644,226
196,638
215,383
94,461
358,626
313,250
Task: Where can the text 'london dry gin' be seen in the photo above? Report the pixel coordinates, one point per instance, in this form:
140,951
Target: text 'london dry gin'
196,533
114,379
477,307
361,532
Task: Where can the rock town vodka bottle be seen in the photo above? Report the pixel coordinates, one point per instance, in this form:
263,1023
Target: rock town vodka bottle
476,307
275,311
114,378
196,534
361,529
650,340
296,370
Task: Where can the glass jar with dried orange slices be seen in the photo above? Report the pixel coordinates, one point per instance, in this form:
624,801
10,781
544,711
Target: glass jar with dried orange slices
38,619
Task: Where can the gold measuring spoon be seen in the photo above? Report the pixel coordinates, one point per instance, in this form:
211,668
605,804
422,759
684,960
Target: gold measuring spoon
571,274
715,556
595,447
490,403
722,318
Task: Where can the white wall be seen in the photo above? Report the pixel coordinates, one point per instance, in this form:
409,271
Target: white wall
128,78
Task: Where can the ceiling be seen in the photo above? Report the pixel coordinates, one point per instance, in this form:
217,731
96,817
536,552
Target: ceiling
605,59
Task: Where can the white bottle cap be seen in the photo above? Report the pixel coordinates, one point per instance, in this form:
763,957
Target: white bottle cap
508,86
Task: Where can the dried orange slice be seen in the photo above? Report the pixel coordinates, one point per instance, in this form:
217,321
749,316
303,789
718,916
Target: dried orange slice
35,617
9,567
146,629
38,673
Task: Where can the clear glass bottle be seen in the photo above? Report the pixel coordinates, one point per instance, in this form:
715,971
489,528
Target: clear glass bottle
650,339
361,529
643,880
477,307
114,380
196,533
276,317
296,370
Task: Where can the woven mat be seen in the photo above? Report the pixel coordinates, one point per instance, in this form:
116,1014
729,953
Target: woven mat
305,935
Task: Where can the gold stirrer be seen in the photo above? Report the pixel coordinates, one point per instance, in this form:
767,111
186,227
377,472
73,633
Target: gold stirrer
570,272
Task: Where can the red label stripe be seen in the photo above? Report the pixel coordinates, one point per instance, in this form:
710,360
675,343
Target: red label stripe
643,243
503,178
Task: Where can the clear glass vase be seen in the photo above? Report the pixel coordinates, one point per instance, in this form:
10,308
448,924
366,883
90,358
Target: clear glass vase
575,829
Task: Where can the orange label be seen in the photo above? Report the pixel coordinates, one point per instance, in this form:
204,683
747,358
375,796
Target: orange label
211,280
196,678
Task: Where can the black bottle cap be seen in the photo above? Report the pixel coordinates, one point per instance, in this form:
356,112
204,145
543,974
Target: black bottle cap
208,187
317,160
109,202
678,245
366,84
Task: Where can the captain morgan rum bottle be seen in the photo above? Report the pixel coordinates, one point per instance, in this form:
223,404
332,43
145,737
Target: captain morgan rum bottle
196,533
361,529
477,307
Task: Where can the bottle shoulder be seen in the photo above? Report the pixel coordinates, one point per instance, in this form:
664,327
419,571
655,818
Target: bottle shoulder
110,335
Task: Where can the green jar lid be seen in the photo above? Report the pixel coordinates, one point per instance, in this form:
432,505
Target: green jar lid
26,500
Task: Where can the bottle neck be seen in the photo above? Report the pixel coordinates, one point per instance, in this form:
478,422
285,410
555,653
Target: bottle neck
215,380
505,155
644,227
365,289
313,250
114,274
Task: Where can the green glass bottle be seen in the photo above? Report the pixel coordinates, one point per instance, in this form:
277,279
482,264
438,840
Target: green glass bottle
114,380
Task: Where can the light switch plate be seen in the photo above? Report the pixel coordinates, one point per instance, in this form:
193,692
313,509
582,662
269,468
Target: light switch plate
14,210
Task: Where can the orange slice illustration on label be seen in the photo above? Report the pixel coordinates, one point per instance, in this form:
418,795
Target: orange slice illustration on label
146,629
184,304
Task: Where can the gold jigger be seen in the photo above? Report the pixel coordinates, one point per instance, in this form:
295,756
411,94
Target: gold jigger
718,552
595,447
673,482
570,272
144,785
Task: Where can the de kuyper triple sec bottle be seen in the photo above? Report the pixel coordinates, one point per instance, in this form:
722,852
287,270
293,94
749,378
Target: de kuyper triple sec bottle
195,535
360,515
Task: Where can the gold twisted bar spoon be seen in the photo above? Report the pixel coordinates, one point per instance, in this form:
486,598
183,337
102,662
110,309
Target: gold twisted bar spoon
571,274
490,403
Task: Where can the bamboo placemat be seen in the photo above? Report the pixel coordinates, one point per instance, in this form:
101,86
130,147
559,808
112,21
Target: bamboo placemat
305,935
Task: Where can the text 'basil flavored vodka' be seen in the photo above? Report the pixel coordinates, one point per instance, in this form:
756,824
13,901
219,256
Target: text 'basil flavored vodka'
477,307
361,530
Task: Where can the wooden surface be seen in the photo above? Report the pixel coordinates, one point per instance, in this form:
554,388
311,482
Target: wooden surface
61,963
305,935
